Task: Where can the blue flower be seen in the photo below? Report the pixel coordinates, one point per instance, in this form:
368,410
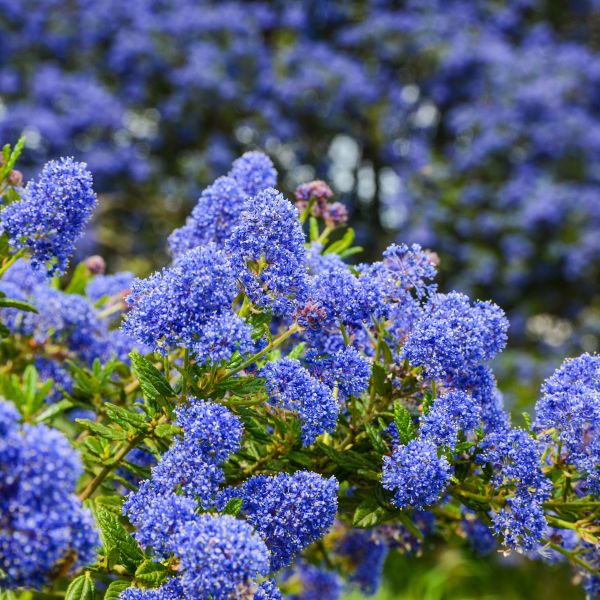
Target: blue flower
366,554
157,515
291,386
515,459
570,405
219,555
415,474
455,335
254,172
52,214
191,468
289,512
176,307
317,583
521,522
267,252
102,286
41,519
346,369
215,215
451,414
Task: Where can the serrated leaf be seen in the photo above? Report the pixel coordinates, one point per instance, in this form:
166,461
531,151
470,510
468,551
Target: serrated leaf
110,503
233,507
404,423
81,588
116,540
154,385
18,304
240,386
151,573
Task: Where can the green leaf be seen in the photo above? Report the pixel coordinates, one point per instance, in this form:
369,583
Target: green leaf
151,573
314,229
428,399
368,514
4,331
404,423
154,384
81,588
375,437
410,525
115,588
297,351
527,419
240,386
342,244
111,503
233,507
9,158
383,385
53,410
110,433
126,417
166,430
79,281
18,304
351,251
116,539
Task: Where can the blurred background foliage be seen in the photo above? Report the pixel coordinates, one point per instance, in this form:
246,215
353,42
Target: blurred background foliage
472,128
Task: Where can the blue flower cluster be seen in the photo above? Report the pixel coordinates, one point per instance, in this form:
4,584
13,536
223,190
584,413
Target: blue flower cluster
267,250
515,458
570,406
52,214
346,371
219,554
220,205
366,552
415,474
291,386
451,414
42,522
455,335
189,305
69,320
290,512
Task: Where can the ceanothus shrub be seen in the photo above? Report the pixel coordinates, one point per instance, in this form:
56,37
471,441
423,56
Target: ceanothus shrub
258,419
